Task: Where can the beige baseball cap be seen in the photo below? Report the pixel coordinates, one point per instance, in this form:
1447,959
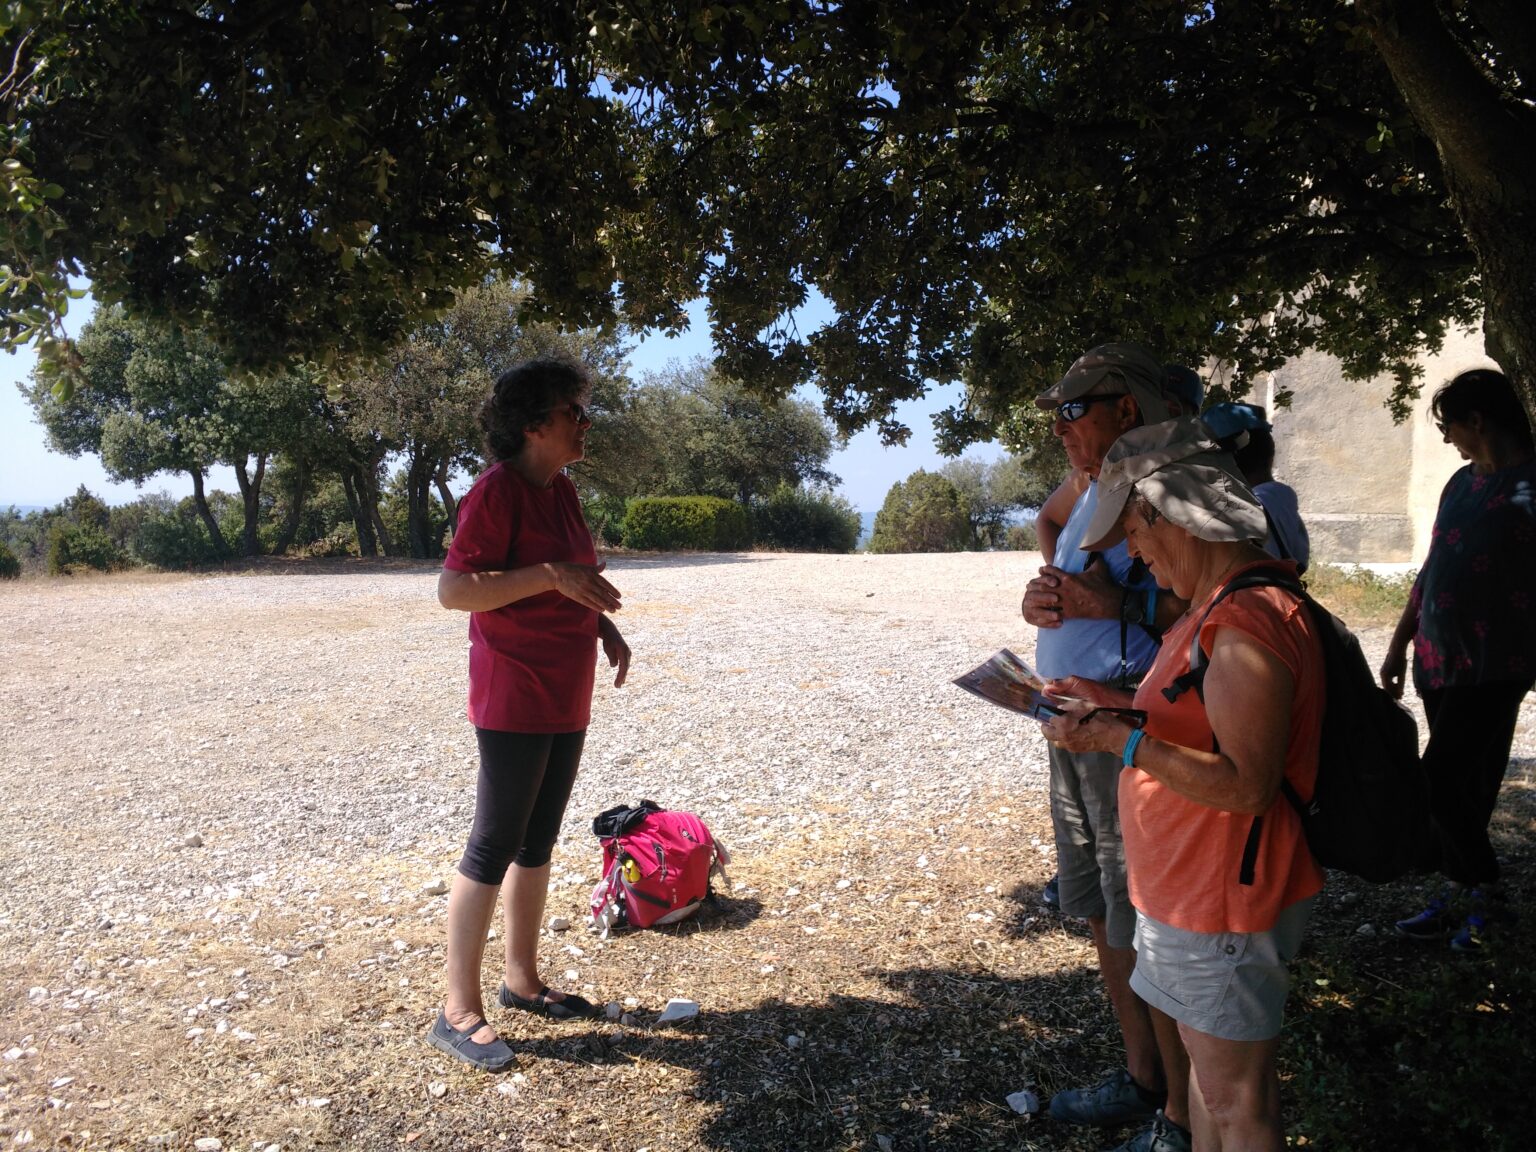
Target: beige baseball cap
1183,473
1116,369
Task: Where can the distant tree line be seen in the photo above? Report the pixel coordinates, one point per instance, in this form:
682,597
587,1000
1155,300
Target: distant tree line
367,463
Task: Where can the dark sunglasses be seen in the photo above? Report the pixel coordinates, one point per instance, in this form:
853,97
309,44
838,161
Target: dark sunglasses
578,413
1077,409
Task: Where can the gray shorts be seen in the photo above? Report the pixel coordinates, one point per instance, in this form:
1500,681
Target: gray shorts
1090,856
1231,985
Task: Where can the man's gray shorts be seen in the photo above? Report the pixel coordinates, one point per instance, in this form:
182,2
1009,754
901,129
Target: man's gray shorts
1090,856
1230,985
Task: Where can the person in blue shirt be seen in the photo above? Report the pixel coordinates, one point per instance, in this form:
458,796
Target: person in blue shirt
1099,617
1245,431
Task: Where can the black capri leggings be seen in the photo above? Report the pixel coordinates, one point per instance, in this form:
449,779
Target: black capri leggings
525,782
1471,729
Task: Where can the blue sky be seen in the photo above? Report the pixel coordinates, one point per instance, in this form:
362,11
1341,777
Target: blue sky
31,474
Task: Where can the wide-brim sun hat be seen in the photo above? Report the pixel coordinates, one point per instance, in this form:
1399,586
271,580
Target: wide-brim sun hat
1115,369
1181,470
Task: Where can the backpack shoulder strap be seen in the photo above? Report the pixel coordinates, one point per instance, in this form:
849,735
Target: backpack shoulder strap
1258,578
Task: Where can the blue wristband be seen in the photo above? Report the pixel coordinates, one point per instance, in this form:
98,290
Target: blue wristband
1151,620
1128,756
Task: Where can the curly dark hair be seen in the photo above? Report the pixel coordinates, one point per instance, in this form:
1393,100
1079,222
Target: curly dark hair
1487,391
523,398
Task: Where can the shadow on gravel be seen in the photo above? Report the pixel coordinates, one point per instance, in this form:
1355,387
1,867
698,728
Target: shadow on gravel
619,560
929,1068
322,566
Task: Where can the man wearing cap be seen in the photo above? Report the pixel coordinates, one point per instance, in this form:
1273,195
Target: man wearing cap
1099,617
1220,873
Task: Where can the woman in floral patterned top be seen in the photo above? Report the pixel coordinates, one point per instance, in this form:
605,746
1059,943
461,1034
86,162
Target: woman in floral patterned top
1470,619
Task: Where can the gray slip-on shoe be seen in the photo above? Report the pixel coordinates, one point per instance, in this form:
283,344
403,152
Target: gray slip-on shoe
492,1057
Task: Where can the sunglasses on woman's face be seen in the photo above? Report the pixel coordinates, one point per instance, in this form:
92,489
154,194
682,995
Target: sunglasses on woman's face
1074,410
579,414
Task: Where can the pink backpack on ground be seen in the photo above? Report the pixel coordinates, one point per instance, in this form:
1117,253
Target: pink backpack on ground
656,866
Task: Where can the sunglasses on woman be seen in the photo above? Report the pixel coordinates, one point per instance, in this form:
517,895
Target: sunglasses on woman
1076,409
579,414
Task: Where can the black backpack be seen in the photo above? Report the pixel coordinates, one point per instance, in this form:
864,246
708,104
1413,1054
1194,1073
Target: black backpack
1370,813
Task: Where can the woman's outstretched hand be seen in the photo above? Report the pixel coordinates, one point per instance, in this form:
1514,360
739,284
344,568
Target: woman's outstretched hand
584,584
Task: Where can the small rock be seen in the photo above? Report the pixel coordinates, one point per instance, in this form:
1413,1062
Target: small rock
613,1011
1366,930
434,888
627,1020
12,1054
558,923
1024,1102
194,1033
631,1002
280,961
572,975
36,995
844,884
883,1142
793,1041
207,1143
196,841
437,1089
678,1009
507,1088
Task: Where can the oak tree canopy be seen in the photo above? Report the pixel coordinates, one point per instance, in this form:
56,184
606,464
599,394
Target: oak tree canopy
980,190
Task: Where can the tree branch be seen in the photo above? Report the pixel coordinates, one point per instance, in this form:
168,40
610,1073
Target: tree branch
1480,135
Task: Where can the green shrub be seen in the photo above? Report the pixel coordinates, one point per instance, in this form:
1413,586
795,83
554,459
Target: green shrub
1359,596
81,547
796,520
1021,538
10,567
705,523
605,516
172,537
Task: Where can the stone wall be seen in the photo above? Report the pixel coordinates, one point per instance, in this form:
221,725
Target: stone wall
1368,488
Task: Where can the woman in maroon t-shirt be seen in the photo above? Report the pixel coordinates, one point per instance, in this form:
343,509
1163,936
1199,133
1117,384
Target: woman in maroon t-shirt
522,563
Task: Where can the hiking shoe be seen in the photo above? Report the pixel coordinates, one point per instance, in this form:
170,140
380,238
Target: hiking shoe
1431,924
1471,936
1162,1135
1119,1100
1050,895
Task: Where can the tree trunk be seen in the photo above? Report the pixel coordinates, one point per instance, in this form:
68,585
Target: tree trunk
367,540
418,497
445,494
250,495
199,498
296,500
1483,138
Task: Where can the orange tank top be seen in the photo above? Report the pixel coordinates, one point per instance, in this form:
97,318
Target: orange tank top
1184,859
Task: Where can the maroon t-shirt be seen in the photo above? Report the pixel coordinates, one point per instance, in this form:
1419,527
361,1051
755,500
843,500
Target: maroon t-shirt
531,663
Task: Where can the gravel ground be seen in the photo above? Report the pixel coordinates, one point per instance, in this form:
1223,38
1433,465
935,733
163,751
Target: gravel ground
291,720
245,770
